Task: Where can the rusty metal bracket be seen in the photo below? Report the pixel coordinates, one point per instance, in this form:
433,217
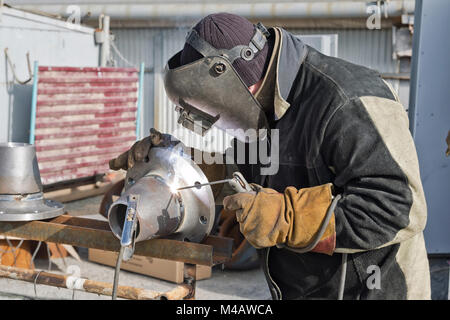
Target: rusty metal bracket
96,234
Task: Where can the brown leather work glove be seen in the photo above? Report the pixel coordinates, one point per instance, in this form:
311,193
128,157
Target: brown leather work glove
140,149
268,218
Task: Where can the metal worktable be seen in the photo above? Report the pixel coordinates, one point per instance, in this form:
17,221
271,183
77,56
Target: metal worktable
91,233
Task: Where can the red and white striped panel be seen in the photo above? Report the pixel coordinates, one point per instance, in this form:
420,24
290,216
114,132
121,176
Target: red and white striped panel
84,117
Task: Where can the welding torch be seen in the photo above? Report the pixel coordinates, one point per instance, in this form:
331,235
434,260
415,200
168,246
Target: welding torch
127,241
237,183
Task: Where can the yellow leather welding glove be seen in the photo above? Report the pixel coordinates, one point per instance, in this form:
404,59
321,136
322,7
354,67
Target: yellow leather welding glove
268,218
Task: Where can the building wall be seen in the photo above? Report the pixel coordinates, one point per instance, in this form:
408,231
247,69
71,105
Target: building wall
137,46
155,46
51,42
372,49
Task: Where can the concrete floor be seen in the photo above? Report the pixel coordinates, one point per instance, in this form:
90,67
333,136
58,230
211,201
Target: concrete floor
224,284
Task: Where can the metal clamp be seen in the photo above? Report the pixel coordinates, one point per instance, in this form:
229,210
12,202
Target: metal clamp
128,238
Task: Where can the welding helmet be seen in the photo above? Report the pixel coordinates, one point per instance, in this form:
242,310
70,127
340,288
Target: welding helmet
210,92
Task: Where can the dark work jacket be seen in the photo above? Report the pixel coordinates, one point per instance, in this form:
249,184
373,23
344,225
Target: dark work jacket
346,126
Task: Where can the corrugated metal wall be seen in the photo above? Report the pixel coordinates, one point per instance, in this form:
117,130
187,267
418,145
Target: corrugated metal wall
138,45
371,48
154,47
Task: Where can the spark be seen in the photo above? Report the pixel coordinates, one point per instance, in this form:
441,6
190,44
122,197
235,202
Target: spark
173,187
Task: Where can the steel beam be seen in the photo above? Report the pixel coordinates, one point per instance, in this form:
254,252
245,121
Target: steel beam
90,233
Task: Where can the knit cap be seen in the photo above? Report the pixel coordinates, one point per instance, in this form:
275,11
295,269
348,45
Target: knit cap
225,31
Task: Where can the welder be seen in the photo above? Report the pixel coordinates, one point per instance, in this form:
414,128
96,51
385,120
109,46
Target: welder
343,215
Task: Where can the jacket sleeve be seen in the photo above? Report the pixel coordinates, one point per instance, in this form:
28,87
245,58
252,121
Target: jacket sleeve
368,146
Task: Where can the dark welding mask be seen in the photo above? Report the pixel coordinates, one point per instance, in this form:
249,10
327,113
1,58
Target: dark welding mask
210,92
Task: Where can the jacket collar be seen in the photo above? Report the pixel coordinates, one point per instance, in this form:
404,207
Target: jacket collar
288,54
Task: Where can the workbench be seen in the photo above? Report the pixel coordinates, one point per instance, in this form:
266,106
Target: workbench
96,234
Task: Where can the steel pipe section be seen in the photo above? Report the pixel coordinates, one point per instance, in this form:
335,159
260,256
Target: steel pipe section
186,215
21,197
196,9
19,171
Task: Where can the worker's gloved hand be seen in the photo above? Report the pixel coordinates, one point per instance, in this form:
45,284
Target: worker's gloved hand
140,149
268,218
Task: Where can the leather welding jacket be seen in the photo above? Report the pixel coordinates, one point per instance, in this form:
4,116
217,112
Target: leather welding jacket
342,123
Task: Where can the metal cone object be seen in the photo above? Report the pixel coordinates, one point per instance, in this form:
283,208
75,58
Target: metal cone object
162,210
21,197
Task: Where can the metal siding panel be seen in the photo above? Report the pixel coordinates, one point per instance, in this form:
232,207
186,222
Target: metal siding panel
84,117
137,45
430,116
20,35
371,48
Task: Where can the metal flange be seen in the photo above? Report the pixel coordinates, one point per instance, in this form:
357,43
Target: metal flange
21,197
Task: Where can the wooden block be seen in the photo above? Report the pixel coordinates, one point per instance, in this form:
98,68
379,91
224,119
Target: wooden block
159,268
22,254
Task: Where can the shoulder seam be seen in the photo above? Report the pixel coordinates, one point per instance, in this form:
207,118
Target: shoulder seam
343,104
341,92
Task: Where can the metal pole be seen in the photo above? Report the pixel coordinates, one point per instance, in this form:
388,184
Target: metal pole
164,9
34,102
106,46
74,283
140,100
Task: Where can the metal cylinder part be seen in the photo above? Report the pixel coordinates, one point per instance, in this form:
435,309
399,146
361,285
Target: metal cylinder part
21,197
19,171
162,211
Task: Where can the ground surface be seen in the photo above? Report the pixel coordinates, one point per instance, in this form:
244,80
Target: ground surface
224,284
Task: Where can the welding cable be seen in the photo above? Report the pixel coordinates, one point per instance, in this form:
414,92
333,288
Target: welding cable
120,55
321,231
116,273
35,280
343,274
13,249
49,258
35,253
